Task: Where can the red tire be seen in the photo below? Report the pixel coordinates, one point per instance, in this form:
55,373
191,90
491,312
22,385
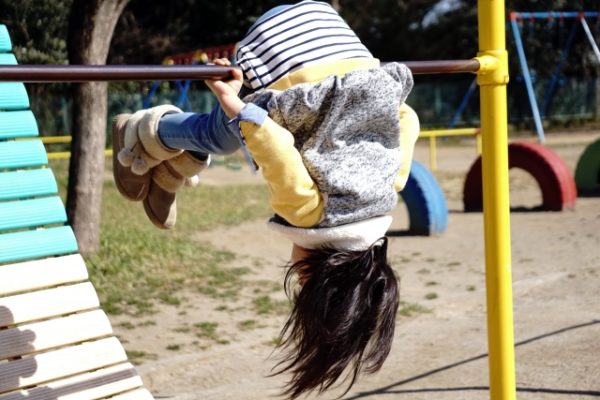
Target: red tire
550,172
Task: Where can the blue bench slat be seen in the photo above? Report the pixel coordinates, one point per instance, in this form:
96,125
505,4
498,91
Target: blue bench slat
27,183
5,43
22,153
28,245
31,213
13,96
18,124
8,59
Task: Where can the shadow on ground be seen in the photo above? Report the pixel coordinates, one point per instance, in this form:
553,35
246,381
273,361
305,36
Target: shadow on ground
394,387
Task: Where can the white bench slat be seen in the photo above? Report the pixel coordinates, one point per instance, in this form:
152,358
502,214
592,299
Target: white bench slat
139,394
47,303
39,336
90,386
44,367
42,273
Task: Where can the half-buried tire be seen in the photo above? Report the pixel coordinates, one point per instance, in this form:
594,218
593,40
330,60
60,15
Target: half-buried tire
425,201
550,172
587,171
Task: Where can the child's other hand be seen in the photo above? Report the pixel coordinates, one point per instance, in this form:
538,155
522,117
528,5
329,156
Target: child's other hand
227,91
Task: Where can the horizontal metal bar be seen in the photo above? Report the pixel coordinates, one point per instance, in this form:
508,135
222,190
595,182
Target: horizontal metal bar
552,14
63,155
55,139
442,66
89,73
449,132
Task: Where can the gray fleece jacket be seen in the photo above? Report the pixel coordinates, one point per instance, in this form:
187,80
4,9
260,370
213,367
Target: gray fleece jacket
347,132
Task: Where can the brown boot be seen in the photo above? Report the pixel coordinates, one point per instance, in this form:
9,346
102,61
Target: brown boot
160,207
167,179
131,186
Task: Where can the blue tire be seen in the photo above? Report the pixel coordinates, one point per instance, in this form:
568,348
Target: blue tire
425,201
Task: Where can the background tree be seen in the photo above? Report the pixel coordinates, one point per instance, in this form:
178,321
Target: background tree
91,27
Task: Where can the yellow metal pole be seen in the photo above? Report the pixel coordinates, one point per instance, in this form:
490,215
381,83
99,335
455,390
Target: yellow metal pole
449,132
492,79
432,153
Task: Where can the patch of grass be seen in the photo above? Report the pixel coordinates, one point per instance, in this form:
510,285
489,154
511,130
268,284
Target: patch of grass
431,283
265,305
206,329
173,347
222,283
169,298
268,286
136,267
471,288
138,357
423,271
183,329
408,309
453,264
248,325
126,325
431,296
138,264
207,207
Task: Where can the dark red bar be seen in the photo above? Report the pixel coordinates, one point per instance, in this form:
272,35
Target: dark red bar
443,66
89,73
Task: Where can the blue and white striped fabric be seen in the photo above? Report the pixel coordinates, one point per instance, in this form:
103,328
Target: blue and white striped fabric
303,34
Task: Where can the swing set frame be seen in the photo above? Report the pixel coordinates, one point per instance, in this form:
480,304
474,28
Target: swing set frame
516,19
491,66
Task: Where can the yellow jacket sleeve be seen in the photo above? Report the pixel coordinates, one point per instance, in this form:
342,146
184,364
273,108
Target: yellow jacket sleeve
293,194
409,133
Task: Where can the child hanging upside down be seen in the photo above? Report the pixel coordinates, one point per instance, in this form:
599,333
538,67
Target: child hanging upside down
328,127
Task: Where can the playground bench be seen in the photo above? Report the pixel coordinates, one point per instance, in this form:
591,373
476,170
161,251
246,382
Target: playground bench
55,341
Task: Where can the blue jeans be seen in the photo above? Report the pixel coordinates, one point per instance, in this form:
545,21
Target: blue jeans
200,133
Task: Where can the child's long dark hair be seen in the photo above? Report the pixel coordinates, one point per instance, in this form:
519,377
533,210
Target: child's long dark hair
343,317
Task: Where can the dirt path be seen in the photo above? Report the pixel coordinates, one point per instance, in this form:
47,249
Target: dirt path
440,345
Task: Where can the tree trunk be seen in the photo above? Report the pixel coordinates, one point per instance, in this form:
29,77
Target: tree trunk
91,26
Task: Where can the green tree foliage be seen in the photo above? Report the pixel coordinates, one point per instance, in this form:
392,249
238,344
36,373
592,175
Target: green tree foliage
38,29
149,34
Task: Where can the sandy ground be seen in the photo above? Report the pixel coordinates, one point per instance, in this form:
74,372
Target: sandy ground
440,348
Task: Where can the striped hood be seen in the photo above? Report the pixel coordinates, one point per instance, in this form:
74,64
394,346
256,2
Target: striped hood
303,34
